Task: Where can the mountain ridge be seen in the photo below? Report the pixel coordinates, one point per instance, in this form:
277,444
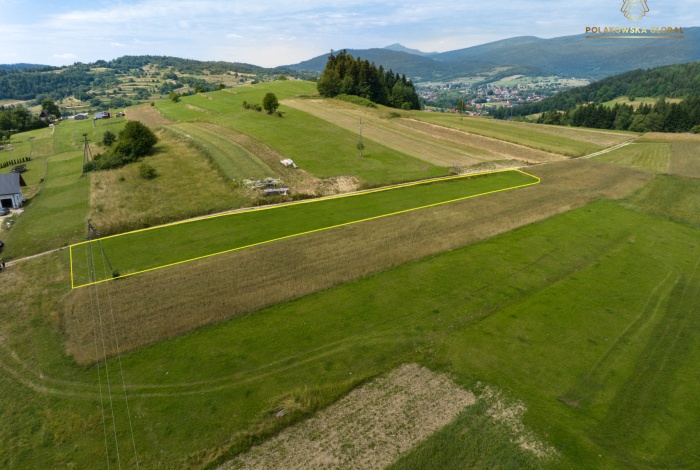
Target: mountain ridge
573,56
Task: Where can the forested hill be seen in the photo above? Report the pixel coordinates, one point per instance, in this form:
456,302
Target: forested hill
20,66
671,81
27,83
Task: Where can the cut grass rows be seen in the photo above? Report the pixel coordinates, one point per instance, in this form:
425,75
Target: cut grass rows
144,250
654,157
556,139
233,160
491,312
317,146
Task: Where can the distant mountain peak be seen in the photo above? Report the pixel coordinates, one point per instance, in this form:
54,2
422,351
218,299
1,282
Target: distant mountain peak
398,47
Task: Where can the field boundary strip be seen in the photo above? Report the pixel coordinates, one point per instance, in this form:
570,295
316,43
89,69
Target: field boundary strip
305,201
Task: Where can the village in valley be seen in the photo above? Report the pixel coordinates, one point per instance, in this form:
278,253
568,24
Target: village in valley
480,94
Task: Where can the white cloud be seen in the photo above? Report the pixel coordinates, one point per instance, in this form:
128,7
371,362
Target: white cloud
67,56
233,36
117,44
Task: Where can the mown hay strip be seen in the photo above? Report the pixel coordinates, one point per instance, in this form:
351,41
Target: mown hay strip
369,428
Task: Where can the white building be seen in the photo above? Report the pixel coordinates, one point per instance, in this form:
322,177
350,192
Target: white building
10,192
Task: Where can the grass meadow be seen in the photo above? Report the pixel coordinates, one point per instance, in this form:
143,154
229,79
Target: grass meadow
153,248
654,157
326,150
234,161
574,301
582,370
192,295
435,144
572,142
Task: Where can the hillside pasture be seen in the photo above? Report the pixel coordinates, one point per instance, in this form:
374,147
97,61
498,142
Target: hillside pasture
234,161
685,159
639,100
319,147
148,115
670,196
653,157
434,144
568,141
186,185
57,207
195,294
495,313
148,249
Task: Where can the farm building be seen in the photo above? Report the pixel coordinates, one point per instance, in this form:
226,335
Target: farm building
45,116
102,115
81,116
10,191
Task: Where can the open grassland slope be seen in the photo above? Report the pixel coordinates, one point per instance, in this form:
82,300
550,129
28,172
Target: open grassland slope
367,429
316,145
654,157
186,297
580,317
669,196
573,142
148,249
435,144
186,185
234,161
660,153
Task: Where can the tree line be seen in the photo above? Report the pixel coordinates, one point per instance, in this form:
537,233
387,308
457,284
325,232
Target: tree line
661,117
345,75
29,84
672,81
15,119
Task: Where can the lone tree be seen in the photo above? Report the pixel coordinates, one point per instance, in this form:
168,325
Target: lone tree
108,138
51,107
270,103
460,106
135,140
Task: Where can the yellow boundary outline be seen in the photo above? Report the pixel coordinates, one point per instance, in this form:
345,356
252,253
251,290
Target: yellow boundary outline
306,201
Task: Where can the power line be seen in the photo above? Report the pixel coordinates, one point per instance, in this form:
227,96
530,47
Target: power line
119,356
104,349
97,355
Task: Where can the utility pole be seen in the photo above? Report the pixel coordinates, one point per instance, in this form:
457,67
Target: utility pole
361,146
87,153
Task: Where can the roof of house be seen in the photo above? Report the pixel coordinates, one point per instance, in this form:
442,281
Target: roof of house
10,183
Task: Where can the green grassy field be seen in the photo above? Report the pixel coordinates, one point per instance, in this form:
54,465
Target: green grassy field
639,100
668,196
654,157
234,161
562,140
325,150
585,322
581,370
139,251
57,209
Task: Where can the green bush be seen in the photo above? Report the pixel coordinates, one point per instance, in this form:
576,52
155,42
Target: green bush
357,100
147,172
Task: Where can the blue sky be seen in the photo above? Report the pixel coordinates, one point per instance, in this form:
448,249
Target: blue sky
273,32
